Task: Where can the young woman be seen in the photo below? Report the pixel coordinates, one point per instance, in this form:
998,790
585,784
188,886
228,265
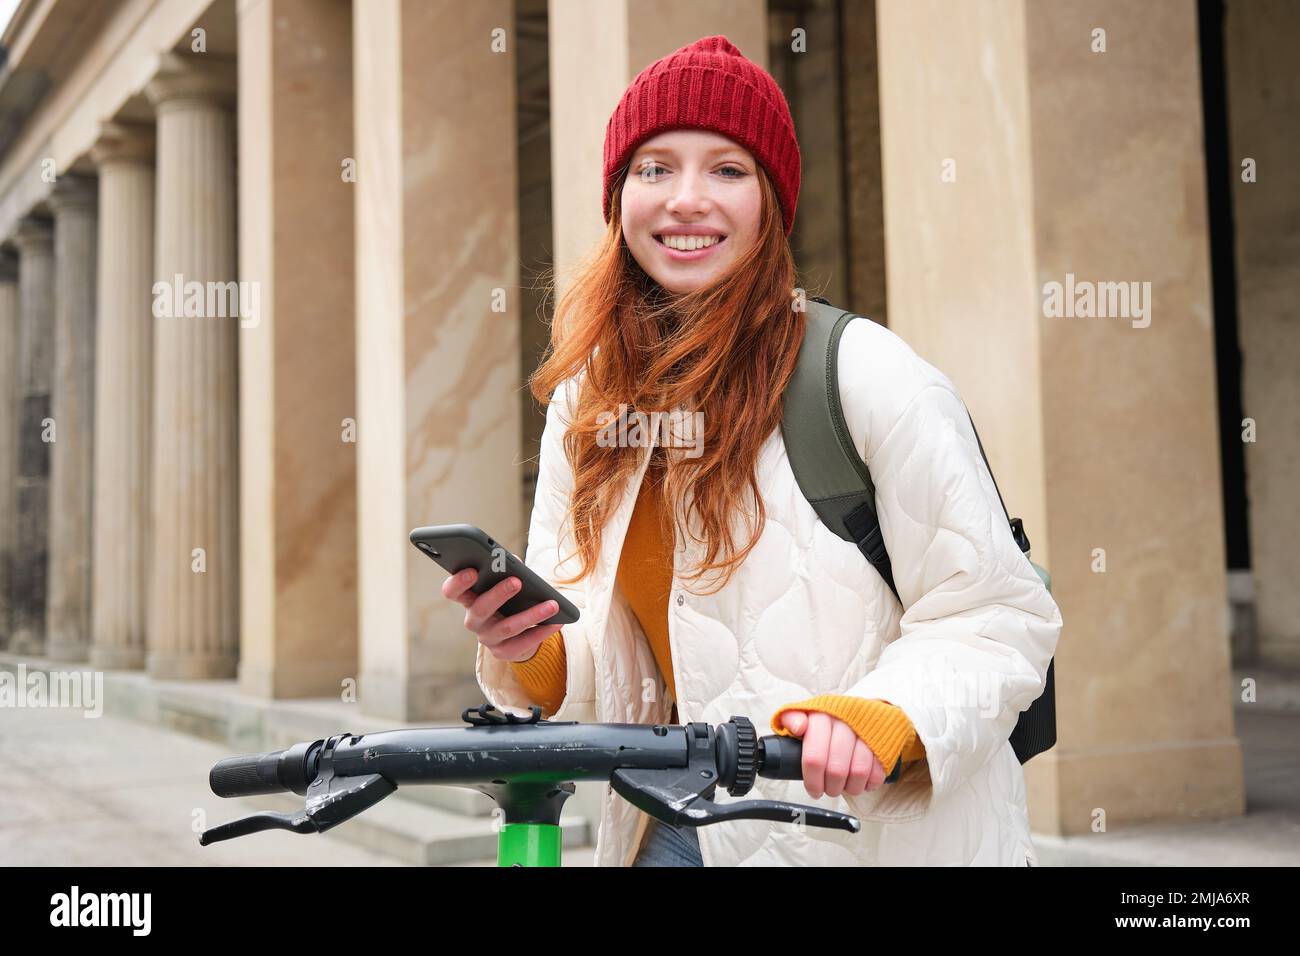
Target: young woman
707,585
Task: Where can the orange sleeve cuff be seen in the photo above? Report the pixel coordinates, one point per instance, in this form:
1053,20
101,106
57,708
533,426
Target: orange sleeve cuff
545,675
879,724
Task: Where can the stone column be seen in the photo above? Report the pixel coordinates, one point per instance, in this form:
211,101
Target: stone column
597,48
297,379
123,393
73,202
35,242
8,436
1264,126
1045,152
865,228
437,333
194,589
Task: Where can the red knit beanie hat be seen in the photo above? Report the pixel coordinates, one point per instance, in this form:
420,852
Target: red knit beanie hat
708,84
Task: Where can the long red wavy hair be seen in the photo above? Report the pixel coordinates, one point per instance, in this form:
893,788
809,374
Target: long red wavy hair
726,349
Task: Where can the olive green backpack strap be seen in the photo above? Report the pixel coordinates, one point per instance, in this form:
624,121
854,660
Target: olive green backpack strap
826,464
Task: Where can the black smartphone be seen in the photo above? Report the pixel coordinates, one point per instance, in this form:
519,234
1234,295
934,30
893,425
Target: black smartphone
459,546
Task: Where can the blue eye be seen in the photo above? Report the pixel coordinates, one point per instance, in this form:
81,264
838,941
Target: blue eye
646,171
735,169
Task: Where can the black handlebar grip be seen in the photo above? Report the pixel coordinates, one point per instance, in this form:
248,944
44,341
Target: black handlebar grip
274,772
782,758
247,775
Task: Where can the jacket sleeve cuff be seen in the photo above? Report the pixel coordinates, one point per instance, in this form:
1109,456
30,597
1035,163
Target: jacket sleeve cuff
879,724
543,674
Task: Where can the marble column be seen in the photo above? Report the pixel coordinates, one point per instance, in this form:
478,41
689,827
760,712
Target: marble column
35,242
8,435
194,587
297,378
67,620
123,393
437,332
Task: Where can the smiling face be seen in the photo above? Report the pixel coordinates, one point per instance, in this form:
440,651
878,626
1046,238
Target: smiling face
690,207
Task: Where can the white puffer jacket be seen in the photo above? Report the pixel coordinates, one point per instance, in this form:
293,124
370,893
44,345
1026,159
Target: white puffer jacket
806,614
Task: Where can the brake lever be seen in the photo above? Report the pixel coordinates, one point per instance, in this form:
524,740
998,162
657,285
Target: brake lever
331,800
266,820
680,796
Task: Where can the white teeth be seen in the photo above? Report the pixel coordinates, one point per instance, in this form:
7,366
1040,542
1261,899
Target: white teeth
689,243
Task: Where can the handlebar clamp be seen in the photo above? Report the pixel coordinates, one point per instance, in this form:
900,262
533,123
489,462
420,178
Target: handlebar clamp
488,713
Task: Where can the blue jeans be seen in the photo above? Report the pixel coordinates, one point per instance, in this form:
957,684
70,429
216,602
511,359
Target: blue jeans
669,846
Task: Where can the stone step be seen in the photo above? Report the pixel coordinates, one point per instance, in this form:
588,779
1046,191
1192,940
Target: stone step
420,834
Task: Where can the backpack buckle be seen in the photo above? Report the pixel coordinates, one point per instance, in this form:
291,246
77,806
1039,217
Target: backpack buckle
1018,532
873,546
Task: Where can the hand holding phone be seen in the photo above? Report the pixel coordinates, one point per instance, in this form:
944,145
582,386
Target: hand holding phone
510,608
513,638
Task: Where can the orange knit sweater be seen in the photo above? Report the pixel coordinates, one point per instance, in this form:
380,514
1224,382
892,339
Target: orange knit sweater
645,576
